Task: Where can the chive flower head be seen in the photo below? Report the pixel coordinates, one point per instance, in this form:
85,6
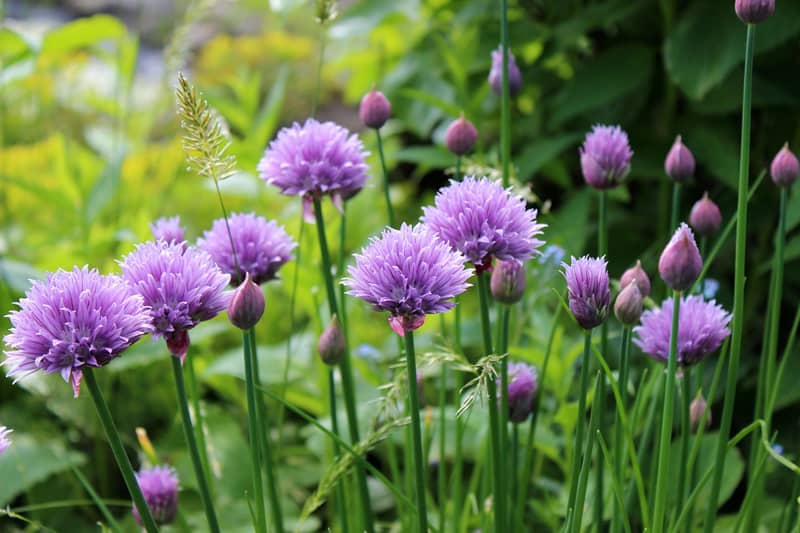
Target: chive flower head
605,157
160,490
588,290
496,73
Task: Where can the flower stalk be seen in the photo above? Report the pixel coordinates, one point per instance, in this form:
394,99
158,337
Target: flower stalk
581,429
505,99
387,197
416,431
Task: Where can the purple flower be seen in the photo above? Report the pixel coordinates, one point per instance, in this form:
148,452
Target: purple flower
74,320
754,11
589,293
636,273
523,382
167,229
679,164
5,442
160,490
785,167
181,288
702,326
605,157
496,73
410,273
374,110
680,262
482,220
315,159
460,136
262,247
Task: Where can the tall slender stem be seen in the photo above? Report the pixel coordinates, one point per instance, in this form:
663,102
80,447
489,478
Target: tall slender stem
494,423
191,442
577,512
676,207
602,250
577,448
123,462
348,384
686,402
442,470
253,431
387,197
505,99
619,456
199,424
738,287
416,431
502,349
458,168
340,499
318,91
666,420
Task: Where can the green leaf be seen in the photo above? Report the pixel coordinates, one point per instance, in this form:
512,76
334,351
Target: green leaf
81,33
432,100
17,275
13,47
428,156
541,152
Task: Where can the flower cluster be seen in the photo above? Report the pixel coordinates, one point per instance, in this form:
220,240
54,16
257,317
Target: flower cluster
496,73
588,287
523,382
605,157
160,490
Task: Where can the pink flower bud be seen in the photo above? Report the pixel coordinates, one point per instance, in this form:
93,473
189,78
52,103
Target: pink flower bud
629,304
246,305
375,109
638,274
754,11
785,167
705,217
460,136
508,281
679,164
680,263
331,345
696,410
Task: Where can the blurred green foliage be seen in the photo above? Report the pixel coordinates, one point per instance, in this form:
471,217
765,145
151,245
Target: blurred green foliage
91,154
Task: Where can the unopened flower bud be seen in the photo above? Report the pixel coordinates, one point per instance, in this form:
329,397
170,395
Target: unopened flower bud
159,487
523,382
331,345
679,164
696,410
785,167
508,281
246,305
637,273
705,217
680,263
496,73
754,11
375,109
629,304
460,136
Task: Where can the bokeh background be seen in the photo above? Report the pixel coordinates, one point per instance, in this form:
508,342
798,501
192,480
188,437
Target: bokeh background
90,154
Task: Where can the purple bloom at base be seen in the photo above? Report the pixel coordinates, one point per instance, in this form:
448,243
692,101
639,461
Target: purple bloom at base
262,247
315,159
73,320
496,73
160,490
605,157
410,273
181,288
523,382
5,442
702,326
482,220
168,229
680,262
588,287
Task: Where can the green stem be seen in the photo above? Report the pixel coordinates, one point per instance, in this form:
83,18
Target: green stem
577,512
512,499
114,441
775,312
787,350
602,249
199,423
458,168
581,423
387,197
494,422
738,289
505,100
442,471
416,431
457,474
664,472
318,89
254,432
685,432
340,494
619,456
676,207
508,475
348,384
101,505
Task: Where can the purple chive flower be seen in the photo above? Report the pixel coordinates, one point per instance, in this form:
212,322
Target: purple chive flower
460,136
5,442
374,110
523,382
702,326
784,168
679,164
262,247
636,273
74,320
705,217
410,273
496,73
754,11
181,288
315,159
482,220
589,293
160,490
168,229
605,157
680,263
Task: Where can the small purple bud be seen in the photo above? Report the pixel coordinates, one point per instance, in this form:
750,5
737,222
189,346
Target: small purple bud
605,157
246,304
680,262
679,164
508,281
638,274
784,168
696,410
588,290
375,109
496,73
160,490
754,11
705,217
629,305
460,136
522,386
331,345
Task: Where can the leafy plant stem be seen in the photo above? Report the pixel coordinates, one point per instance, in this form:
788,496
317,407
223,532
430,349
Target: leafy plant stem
101,505
508,474
340,498
581,422
416,430
458,168
387,197
442,470
254,432
505,99
686,400
619,457
676,206
577,511
194,395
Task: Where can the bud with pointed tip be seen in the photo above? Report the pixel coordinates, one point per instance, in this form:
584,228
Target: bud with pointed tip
705,217
696,410
460,136
629,305
784,168
680,263
637,273
679,164
331,345
375,109
508,281
754,11
246,305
